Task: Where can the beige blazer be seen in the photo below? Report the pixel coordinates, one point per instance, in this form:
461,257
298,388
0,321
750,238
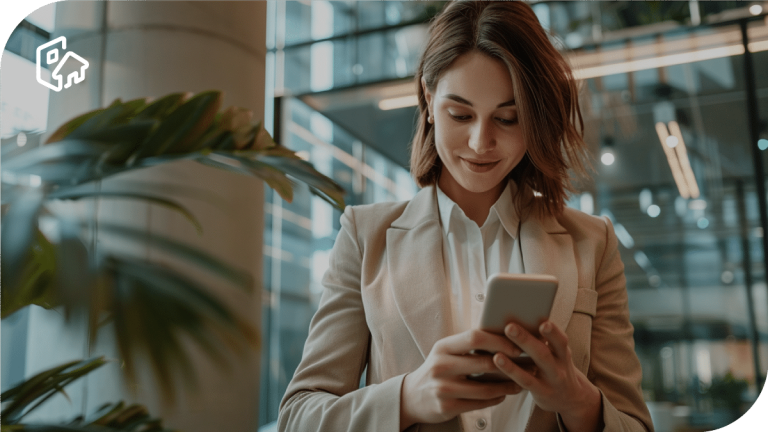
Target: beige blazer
386,302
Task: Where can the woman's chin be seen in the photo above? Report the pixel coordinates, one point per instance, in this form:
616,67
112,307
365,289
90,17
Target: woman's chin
480,186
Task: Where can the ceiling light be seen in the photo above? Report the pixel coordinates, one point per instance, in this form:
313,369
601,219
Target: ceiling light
678,159
727,277
642,260
702,223
672,141
398,102
755,9
607,158
685,163
658,62
674,164
698,204
681,206
762,144
623,235
645,198
653,210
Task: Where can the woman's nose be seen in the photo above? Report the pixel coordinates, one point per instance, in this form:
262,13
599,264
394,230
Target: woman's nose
482,139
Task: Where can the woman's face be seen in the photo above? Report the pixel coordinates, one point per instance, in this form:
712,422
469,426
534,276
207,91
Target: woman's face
477,134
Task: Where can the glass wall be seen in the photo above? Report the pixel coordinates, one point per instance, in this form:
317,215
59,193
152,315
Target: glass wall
299,236
666,115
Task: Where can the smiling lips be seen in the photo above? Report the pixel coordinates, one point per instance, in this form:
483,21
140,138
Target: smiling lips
479,166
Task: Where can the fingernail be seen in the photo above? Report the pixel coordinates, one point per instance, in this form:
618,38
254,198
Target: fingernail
546,327
512,330
500,360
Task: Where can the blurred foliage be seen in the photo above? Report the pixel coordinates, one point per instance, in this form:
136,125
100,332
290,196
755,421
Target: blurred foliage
726,391
28,395
152,308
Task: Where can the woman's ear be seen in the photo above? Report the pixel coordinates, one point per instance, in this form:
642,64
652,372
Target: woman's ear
427,96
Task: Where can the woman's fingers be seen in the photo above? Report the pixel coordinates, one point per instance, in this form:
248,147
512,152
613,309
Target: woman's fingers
472,390
522,377
535,348
462,365
477,340
558,340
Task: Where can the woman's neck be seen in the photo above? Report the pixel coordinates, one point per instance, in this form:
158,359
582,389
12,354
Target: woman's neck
475,205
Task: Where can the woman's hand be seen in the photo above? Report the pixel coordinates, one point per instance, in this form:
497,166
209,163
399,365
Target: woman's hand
439,389
556,385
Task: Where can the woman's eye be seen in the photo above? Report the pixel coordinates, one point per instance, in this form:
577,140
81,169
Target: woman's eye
507,121
459,117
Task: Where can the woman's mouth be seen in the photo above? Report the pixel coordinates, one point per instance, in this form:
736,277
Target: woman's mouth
479,167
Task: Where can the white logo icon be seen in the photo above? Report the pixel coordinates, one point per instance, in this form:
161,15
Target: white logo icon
52,56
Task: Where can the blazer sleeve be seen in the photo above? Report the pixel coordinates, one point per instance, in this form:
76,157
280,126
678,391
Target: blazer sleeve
614,366
323,394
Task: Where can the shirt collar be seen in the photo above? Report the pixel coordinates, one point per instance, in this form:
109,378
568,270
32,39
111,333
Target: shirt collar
503,209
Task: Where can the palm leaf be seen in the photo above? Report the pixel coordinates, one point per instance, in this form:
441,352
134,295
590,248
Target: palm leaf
117,113
37,280
160,108
44,385
107,418
192,255
65,150
182,125
134,132
273,177
67,128
153,306
305,172
67,194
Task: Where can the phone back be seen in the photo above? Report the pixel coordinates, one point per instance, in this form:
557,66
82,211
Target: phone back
525,299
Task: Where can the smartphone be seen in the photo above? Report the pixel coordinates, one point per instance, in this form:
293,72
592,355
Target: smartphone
524,299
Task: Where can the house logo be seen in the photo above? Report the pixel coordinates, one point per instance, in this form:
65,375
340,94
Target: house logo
52,57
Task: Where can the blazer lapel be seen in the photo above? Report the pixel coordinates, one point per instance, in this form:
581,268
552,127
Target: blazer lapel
547,248
416,271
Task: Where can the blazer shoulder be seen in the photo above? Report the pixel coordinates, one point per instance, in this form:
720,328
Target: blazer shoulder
577,221
371,220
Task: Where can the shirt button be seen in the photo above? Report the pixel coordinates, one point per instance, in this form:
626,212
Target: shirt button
480,297
480,423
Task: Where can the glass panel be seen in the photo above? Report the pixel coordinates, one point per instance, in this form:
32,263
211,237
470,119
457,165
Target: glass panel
671,108
398,53
299,236
307,21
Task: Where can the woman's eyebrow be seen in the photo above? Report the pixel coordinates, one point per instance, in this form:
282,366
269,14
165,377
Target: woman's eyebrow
461,100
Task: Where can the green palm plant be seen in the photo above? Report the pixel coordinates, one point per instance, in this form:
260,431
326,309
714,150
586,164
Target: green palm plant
151,307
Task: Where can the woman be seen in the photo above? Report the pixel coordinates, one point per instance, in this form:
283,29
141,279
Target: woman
499,129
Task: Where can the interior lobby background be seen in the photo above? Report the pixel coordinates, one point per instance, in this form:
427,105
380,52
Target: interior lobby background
688,280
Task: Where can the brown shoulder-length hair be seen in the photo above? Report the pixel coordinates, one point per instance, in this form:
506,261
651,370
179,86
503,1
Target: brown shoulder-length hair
545,92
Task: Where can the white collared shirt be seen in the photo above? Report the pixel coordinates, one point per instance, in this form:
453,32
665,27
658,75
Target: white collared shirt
471,254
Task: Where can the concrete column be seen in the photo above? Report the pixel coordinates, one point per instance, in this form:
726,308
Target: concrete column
140,49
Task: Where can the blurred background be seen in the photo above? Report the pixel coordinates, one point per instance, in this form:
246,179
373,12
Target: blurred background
675,100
